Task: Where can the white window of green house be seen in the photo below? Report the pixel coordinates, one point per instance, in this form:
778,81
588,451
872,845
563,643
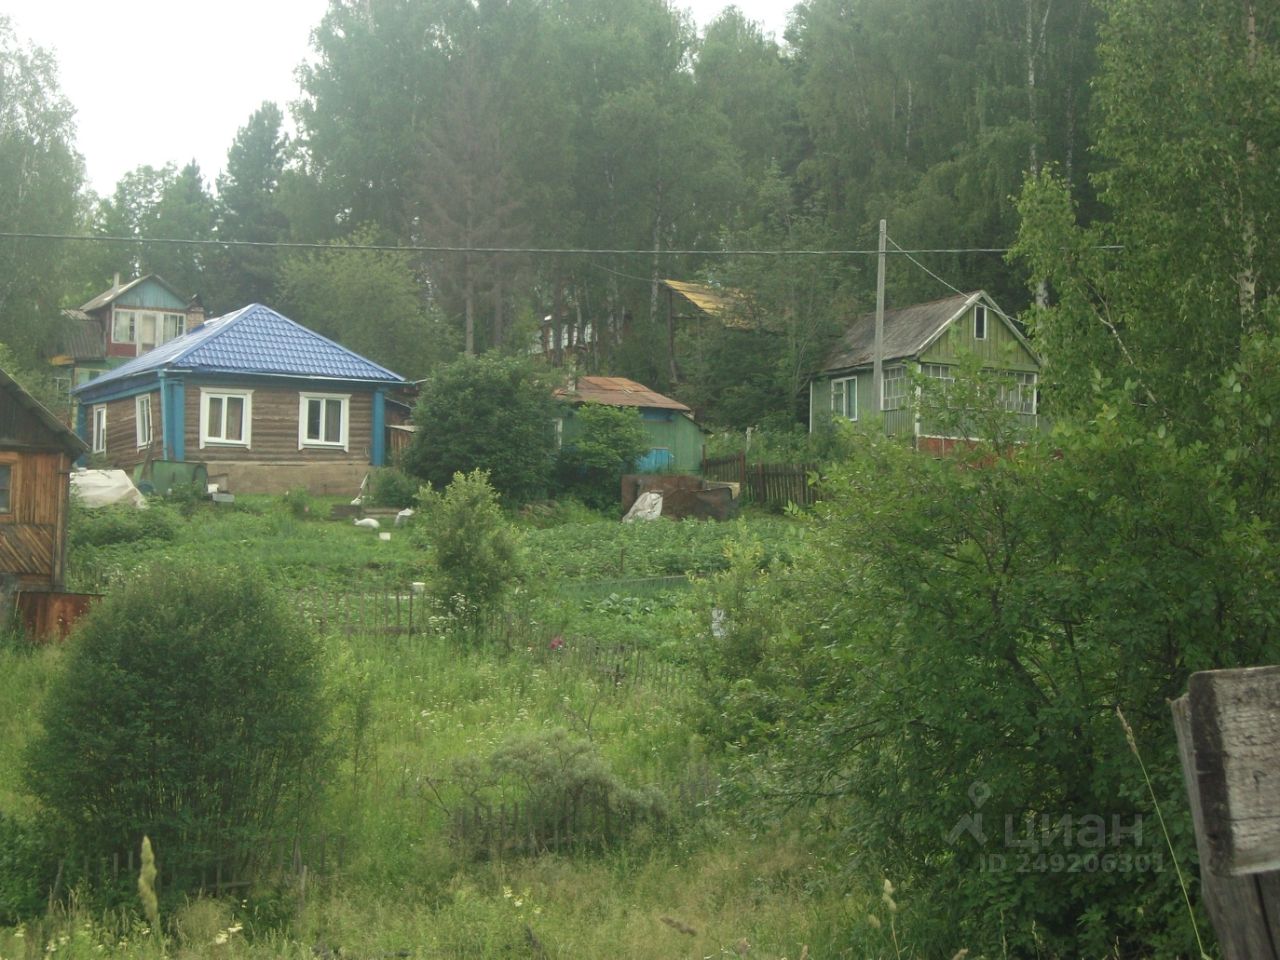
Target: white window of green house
939,371
226,417
99,430
1019,393
323,420
893,388
844,398
175,325
142,419
125,326
979,322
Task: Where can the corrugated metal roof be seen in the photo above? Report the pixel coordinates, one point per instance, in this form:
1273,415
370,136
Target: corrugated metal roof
253,340
65,437
907,331
725,304
618,392
113,294
82,340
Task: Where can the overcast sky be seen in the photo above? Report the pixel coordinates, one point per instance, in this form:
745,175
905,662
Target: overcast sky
155,81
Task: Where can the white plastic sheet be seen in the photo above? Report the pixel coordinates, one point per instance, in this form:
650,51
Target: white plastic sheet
648,506
102,488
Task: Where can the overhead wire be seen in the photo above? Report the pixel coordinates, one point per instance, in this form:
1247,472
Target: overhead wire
533,251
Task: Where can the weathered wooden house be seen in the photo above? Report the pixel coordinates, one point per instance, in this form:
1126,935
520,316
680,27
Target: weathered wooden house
265,403
930,339
675,436
124,321
36,454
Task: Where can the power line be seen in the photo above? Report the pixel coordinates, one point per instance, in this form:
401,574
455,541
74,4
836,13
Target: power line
950,287
533,251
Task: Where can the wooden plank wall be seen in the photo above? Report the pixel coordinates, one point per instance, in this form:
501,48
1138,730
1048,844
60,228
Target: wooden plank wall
32,537
123,451
274,433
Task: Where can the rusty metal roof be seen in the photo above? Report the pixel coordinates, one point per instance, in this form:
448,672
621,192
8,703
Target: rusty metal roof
727,305
617,392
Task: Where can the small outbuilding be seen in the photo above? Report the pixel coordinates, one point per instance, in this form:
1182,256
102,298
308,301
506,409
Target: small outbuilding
675,437
36,454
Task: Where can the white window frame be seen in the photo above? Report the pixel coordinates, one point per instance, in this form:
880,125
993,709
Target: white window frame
99,429
116,319
1022,386
939,371
304,441
142,419
893,376
152,318
179,325
980,310
843,394
207,440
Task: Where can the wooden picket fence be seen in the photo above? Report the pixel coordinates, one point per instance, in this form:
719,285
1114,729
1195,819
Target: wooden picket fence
231,867
774,485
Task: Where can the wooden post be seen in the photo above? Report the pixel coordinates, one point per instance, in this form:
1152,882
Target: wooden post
1228,727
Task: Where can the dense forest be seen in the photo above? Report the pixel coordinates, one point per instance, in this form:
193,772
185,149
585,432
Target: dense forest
454,128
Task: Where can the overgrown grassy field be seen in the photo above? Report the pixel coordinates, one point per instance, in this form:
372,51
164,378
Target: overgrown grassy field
419,719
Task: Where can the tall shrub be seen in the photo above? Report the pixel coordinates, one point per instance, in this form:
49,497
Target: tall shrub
191,710
485,413
475,552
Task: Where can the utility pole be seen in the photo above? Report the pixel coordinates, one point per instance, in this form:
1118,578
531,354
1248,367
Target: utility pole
877,360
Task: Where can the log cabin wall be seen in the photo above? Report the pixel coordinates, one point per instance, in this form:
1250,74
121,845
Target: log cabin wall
273,461
123,452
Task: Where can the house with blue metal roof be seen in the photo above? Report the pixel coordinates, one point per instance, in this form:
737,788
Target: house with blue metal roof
266,404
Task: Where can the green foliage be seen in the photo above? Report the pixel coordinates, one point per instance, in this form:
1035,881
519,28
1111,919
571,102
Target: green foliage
608,442
192,710
28,865
561,783
485,413
968,624
475,551
40,179
102,526
331,291
300,504
392,487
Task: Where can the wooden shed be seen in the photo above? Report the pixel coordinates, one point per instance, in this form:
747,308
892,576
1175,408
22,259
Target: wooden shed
675,437
36,454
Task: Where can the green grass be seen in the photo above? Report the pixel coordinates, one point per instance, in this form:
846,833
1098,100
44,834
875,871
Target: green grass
409,709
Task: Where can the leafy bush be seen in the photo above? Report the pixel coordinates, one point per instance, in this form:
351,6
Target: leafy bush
191,710
28,865
954,641
608,443
392,487
100,526
475,551
563,787
485,413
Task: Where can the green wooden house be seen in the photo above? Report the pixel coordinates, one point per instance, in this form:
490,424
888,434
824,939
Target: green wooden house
675,437
931,339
